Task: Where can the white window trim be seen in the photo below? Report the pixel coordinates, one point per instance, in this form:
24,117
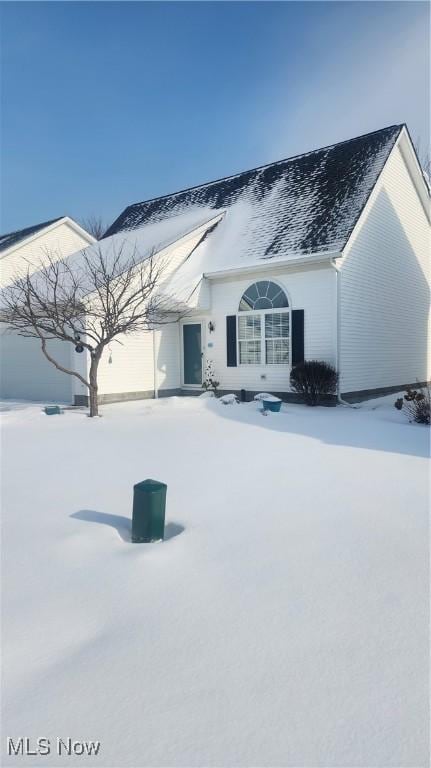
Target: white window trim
262,313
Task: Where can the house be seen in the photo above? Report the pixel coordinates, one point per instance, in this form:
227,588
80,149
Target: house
24,372
320,256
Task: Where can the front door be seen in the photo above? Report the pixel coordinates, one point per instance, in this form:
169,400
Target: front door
192,354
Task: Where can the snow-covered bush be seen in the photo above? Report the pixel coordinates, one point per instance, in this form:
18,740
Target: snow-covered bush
229,399
210,382
313,380
416,404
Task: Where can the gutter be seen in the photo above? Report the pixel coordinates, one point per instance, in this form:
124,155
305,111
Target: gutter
268,264
338,335
156,390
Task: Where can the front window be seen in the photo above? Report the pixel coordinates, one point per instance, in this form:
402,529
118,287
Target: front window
249,339
263,330
277,338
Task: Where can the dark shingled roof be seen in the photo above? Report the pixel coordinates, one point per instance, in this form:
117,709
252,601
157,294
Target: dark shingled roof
303,204
7,241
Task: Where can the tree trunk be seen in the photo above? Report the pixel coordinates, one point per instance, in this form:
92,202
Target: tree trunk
94,405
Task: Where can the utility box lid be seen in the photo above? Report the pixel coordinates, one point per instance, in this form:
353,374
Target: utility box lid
150,486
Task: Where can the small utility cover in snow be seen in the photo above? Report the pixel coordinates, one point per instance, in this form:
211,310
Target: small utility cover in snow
267,397
52,410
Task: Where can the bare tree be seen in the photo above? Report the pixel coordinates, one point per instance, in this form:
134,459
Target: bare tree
95,226
89,301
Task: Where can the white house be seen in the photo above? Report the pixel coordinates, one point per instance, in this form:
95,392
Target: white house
24,372
320,256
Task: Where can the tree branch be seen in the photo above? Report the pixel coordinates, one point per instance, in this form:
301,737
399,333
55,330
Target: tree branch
93,298
60,367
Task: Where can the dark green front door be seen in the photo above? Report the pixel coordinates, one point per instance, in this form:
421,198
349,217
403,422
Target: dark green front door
192,347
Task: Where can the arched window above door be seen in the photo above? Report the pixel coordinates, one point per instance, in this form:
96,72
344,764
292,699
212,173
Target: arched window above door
264,294
264,325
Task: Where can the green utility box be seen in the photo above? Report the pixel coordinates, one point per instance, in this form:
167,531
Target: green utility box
52,410
149,502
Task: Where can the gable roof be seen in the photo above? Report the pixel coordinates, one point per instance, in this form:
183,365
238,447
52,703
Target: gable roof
12,238
299,205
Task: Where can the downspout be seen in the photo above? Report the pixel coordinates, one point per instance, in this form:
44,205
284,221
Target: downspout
338,336
156,391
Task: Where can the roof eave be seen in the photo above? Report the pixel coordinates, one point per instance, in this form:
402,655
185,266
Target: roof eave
415,169
63,220
269,264
420,184
78,229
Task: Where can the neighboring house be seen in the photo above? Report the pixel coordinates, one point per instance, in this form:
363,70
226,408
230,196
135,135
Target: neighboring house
25,373
321,256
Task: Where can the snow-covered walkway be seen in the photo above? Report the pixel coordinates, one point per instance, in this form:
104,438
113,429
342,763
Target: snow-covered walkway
283,622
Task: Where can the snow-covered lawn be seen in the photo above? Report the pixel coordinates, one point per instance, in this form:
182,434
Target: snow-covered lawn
283,622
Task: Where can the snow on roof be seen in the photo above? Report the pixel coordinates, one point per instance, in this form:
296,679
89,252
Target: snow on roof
300,205
152,238
12,238
157,235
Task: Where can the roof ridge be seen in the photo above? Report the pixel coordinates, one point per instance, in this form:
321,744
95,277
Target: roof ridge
32,226
258,168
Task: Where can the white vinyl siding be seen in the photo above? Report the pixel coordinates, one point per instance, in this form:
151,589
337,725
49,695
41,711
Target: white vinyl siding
58,242
131,368
25,372
384,287
311,288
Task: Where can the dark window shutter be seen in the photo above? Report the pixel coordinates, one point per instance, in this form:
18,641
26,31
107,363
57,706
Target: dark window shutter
297,336
231,340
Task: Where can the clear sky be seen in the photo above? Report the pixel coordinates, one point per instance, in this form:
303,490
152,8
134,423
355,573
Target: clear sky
108,103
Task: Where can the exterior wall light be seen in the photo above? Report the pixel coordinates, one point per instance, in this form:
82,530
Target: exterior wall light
211,326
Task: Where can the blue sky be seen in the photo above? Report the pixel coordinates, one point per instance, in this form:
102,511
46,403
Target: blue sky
105,104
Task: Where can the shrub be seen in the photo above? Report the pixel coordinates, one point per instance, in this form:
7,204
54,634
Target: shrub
416,404
210,383
313,380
